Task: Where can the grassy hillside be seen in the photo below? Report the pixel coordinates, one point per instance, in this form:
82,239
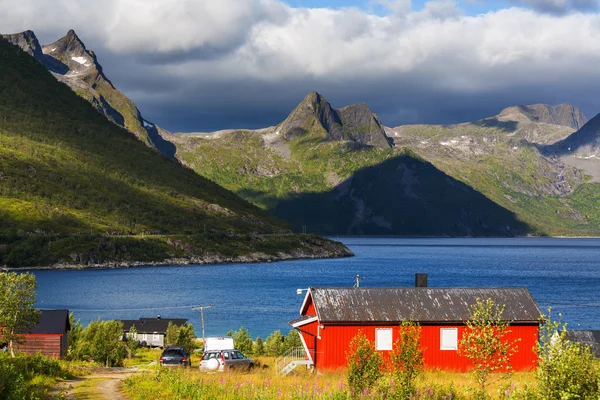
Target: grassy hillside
72,182
344,187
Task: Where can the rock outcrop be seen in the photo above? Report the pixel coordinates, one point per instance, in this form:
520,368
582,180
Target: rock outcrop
563,114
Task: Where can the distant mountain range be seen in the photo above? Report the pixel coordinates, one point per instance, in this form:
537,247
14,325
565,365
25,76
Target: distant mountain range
531,169
334,171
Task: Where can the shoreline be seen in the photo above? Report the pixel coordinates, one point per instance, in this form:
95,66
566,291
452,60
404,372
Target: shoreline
255,258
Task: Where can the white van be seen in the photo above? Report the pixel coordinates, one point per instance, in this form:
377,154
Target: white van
218,343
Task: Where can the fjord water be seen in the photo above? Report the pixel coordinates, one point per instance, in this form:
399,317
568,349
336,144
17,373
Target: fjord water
562,273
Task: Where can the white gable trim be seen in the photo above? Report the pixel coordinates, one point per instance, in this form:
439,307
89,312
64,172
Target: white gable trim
305,302
304,322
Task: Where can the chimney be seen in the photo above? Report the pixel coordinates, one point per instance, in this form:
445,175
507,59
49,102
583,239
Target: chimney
420,280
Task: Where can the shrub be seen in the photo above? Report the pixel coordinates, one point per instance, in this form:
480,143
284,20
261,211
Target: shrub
23,377
566,370
406,358
484,342
364,364
259,347
274,343
242,340
181,336
101,341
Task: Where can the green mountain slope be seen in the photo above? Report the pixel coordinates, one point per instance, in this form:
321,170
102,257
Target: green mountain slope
72,63
72,184
314,173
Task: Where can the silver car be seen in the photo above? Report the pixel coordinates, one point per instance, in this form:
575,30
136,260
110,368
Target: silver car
225,360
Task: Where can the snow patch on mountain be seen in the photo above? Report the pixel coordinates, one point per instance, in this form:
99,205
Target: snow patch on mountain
81,60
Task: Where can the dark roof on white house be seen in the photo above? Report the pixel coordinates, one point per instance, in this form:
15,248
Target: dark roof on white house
426,305
52,322
588,338
151,325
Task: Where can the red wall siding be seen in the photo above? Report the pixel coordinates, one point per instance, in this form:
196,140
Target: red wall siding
335,340
309,339
49,345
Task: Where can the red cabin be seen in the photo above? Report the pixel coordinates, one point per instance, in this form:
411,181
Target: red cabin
331,317
50,336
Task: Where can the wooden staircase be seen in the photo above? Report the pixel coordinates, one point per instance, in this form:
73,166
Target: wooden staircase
290,360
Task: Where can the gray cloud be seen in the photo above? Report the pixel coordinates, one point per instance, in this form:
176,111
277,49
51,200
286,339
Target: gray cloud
207,65
559,7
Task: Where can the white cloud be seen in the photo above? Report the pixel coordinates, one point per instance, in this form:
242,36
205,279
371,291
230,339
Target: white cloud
172,51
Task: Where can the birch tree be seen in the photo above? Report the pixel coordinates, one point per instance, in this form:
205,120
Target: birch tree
17,312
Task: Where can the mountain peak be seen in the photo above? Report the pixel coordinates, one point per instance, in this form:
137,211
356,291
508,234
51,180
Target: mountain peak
69,43
28,42
354,123
563,114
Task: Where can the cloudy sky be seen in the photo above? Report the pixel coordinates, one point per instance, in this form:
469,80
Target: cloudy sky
202,65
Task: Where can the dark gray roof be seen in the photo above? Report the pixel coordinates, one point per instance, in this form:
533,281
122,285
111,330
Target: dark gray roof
589,338
52,322
151,325
426,305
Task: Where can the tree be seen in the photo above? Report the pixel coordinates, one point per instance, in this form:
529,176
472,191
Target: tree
181,336
172,333
484,342
242,340
406,358
566,370
132,343
274,344
259,347
101,341
17,312
364,364
75,334
186,337
292,340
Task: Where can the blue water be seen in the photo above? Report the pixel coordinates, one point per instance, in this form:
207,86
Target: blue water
563,273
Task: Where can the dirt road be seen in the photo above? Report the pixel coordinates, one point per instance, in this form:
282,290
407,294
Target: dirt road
102,383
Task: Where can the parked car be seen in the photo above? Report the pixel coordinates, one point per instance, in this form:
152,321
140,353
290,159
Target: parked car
175,357
225,360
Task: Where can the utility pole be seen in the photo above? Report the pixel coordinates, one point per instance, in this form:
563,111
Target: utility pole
201,309
357,279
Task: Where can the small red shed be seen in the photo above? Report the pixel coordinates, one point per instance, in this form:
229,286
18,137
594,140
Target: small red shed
331,317
50,336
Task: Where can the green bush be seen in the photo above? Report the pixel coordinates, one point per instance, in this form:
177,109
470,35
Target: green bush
242,340
566,370
364,365
20,376
102,342
406,358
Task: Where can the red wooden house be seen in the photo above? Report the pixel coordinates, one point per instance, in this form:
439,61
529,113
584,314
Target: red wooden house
50,336
331,317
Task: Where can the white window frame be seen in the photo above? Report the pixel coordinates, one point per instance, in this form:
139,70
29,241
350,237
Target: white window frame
384,343
454,346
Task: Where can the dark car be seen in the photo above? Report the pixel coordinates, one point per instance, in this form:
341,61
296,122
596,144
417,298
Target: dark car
175,357
225,360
